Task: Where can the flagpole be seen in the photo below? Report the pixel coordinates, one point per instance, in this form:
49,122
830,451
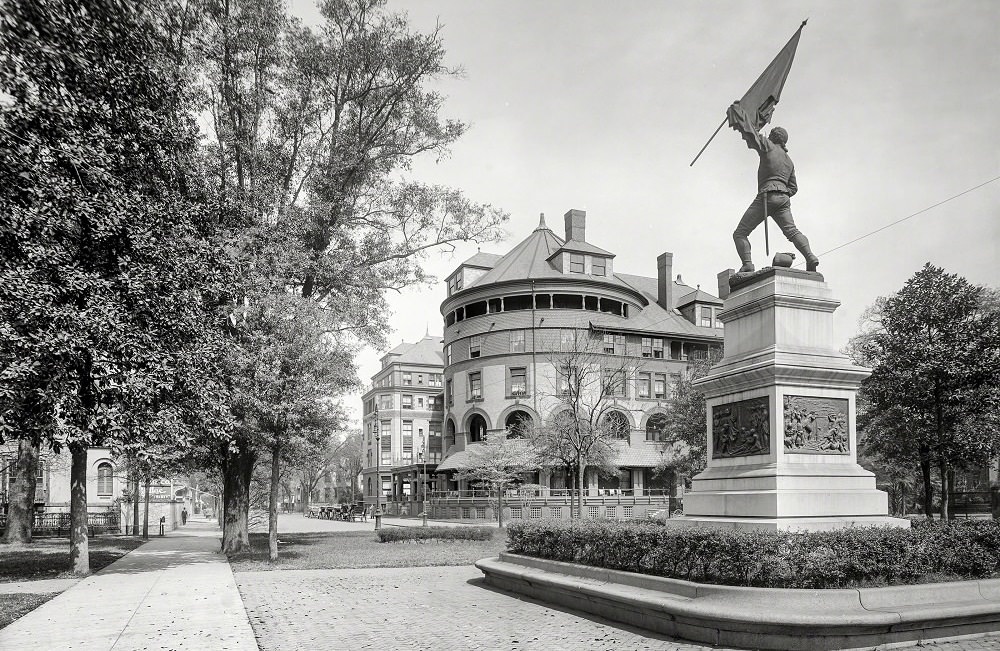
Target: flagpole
708,143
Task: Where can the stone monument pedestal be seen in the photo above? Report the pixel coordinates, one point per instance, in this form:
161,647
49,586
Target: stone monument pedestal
782,443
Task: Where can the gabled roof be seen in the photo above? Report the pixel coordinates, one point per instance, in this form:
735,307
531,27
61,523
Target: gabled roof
576,246
482,260
698,296
654,318
428,350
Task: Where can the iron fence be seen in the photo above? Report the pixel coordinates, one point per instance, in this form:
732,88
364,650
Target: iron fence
59,524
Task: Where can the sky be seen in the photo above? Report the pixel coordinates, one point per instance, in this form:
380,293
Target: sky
891,107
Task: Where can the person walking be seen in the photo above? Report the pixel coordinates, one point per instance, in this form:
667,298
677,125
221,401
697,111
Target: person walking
184,515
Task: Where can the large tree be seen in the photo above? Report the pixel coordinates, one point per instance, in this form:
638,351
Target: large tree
100,266
934,349
313,135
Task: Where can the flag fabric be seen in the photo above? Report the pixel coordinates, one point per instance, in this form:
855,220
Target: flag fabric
760,100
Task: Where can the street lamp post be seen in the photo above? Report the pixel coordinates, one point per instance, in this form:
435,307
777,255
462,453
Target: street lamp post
378,473
423,480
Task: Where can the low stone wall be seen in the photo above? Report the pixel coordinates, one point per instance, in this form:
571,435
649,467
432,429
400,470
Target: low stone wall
761,618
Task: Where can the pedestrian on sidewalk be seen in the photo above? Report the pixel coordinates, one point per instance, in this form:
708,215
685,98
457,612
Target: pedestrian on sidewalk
184,515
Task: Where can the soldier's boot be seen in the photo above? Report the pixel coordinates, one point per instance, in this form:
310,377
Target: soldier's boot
743,248
802,244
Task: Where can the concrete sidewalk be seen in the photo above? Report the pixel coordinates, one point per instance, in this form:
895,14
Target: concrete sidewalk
175,592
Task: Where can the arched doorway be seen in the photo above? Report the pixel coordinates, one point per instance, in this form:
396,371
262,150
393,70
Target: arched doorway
477,428
518,424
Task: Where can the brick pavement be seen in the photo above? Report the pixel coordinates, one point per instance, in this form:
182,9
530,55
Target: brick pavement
446,608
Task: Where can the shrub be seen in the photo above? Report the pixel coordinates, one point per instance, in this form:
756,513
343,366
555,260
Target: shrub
854,557
398,534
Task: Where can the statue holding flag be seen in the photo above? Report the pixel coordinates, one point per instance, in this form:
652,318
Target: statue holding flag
775,187
776,173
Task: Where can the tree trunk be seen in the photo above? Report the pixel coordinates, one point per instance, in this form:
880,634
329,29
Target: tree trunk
272,507
500,488
145,515
236,473
135,503
79,551
581,477
925,473
305,497
21,509
945,492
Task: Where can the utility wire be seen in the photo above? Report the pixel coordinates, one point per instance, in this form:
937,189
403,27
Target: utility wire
900,221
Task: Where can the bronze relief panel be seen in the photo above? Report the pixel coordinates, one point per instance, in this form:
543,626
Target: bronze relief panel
741,429
817,425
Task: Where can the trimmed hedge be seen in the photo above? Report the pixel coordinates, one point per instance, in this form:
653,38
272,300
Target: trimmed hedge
399,534
855,557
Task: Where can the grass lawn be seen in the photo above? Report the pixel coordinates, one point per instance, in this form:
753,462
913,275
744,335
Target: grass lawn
13,606
356,549
48,558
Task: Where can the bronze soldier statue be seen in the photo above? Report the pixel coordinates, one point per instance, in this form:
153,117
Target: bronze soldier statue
775,187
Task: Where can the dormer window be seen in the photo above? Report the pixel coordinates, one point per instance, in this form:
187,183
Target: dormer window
598,267
576,263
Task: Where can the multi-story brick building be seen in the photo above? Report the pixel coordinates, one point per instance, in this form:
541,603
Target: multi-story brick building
507,317
405,402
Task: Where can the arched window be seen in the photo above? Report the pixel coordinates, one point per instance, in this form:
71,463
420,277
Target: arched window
616,424
105,485
656,428
449,435
477,428
518,424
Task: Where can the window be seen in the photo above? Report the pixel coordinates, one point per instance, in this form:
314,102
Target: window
563,377
652,347
659,385
434,380
598,266
434,443
535,512
656,428
451,393
407,401
616,424
614,344
386,443
476,386
718,323
420,402
567,339
517,341
518,381
385,401
644,385
104,480
575,263
407,441
614,382
420,378
706,316
447,353
407,378
475,346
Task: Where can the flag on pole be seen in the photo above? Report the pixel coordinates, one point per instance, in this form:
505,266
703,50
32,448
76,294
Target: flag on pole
763,96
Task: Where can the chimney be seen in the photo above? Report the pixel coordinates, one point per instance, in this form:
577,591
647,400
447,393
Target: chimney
724,277
576,225
664,281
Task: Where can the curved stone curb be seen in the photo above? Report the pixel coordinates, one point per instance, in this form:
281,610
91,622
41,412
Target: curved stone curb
761,618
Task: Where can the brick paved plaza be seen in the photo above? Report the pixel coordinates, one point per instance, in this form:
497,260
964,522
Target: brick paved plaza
447,608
